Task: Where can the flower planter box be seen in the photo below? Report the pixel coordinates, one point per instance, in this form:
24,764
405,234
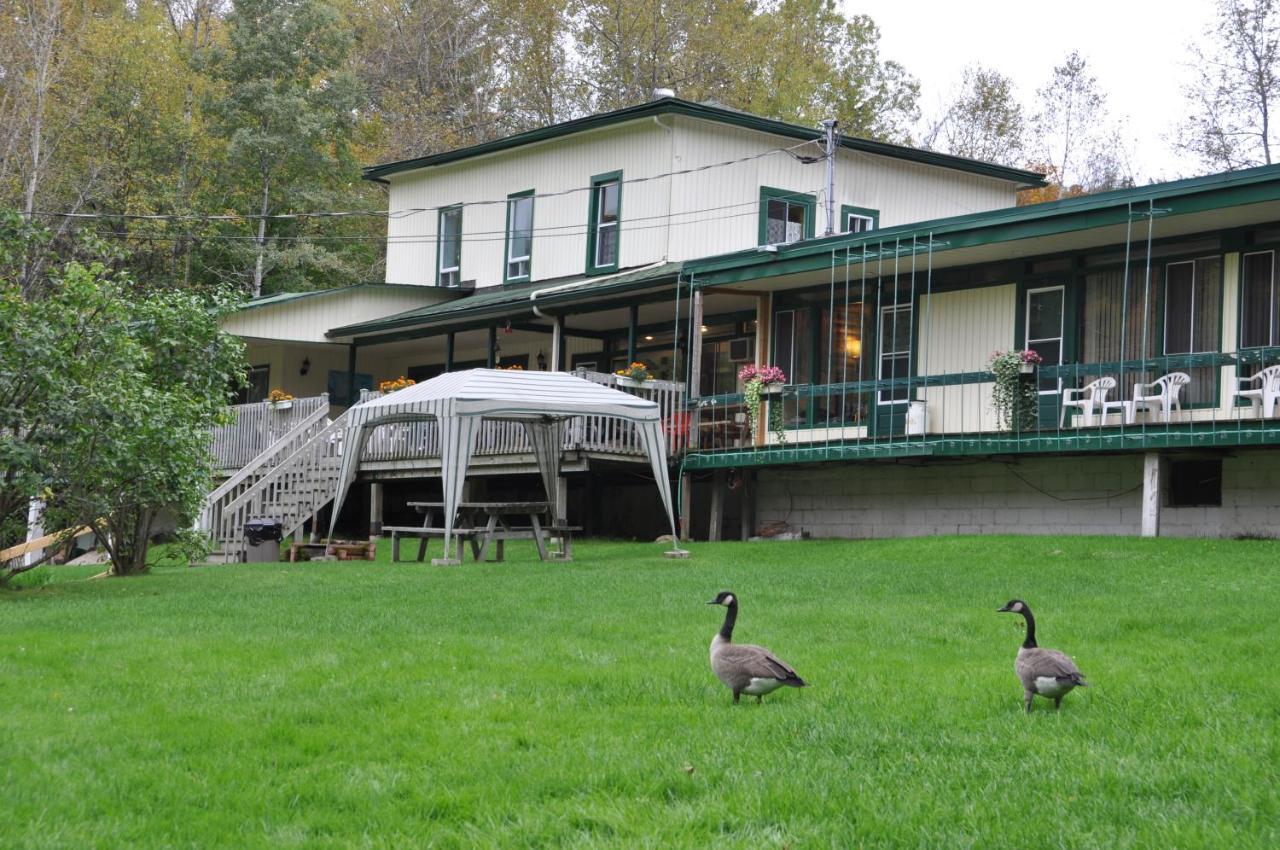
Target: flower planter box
1027,369
630,382
280,405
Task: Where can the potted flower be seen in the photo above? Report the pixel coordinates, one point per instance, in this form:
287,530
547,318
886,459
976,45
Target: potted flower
634,375
393,384
1015,396
278,399
756,382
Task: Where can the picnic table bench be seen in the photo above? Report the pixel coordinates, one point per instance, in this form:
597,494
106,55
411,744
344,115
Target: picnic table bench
496,528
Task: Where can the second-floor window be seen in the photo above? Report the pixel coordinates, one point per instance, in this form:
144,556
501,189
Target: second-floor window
606,219
449,247
785,216
519,236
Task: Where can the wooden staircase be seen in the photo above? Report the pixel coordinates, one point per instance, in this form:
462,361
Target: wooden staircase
292,491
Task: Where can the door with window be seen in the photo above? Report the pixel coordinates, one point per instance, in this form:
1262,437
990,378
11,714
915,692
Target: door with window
1044,332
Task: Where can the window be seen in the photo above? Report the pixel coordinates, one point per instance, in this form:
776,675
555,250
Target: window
1044,329
895,351
785,216
449,247
603,226
858,219
1193,318
1195,483
519,236
1259,306
257,380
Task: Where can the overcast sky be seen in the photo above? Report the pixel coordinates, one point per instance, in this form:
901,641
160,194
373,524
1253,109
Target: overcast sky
1136,48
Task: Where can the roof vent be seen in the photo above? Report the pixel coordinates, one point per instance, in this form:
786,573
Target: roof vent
659,94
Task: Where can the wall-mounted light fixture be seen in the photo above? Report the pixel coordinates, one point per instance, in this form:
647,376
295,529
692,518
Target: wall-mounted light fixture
305,367
542,362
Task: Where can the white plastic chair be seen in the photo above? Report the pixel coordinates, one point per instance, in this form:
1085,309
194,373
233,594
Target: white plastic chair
1092,396
1162,393
1264,395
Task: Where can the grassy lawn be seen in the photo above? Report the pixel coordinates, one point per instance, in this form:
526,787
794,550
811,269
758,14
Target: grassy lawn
532,705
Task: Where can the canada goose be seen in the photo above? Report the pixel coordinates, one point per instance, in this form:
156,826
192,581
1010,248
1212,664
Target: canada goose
744,668
1046,672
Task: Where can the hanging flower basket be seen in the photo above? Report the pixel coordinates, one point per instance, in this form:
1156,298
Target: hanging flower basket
1014,398
759,381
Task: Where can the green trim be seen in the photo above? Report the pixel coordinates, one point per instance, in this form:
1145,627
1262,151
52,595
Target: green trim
506,243
1195,436
440,214
706,112
847,210
768,193
592,210
281,298
1180,197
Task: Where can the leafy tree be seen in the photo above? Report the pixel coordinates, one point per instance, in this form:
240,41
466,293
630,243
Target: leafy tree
108,391
287,116
985,121
1235,91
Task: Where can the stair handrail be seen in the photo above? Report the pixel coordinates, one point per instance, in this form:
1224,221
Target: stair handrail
226,534
272,455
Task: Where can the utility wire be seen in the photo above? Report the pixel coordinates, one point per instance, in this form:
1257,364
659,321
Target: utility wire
431,238
404,212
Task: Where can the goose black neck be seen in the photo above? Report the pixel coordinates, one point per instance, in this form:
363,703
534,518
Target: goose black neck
1030,642
730,617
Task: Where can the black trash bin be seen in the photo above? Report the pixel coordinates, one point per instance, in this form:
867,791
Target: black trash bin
262,540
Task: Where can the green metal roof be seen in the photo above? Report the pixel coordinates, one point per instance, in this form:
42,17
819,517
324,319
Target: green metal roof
288,297
497,302
1197,194
707,112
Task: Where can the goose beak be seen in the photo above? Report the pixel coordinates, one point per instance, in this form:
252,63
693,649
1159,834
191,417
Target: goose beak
1006,609
713,602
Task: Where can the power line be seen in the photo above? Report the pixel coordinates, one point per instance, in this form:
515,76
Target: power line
404,213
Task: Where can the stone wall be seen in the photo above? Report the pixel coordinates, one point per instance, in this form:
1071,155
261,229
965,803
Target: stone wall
1091,494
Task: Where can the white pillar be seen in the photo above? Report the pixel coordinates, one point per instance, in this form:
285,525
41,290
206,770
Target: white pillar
557,342
686,506
35,529
1151,494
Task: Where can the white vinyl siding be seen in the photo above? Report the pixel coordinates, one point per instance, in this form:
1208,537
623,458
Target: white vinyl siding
695,213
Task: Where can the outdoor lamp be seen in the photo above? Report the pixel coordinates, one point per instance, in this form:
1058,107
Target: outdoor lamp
305,367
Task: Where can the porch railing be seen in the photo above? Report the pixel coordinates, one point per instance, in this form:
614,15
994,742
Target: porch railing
600,434
257,427
954,413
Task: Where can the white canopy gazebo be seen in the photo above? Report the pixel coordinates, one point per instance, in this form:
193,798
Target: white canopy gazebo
541,401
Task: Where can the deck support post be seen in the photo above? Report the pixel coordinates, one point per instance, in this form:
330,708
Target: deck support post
716,527
1151,494
748,510
491,357
686,506
448,351
375,509
561,507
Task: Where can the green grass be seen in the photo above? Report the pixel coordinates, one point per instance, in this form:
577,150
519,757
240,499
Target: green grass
544,705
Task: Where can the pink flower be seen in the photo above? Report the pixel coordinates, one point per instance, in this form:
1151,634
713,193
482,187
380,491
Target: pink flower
763,374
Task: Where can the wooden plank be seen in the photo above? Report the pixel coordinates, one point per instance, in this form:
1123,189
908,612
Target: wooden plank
42,542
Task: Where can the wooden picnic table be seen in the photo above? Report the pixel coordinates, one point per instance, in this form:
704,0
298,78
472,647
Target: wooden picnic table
481,523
